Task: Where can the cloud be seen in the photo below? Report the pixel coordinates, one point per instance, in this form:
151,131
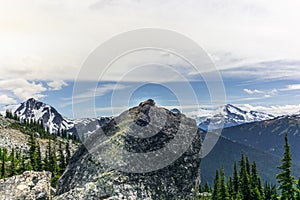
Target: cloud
291,87
276,110
57,84
248,91
266,94
91,93
99,91
4,99
23,89
276,69
44,41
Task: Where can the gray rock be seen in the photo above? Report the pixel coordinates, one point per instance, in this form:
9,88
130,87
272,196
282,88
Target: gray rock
100,169
28,186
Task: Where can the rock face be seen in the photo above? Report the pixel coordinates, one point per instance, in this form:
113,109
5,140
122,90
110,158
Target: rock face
167,166
29,185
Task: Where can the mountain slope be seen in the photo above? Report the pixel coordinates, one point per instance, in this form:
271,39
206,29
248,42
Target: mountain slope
268,135
262,141
226,152
228,115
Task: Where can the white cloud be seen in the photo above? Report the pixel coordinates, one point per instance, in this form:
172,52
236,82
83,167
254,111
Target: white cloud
266,94
91,93
49,40
291,87
276,110
23,89
4,99
57,84
248,91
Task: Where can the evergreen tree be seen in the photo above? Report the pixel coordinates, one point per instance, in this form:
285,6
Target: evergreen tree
12,163
244,179
39,158
216,186
247,165
32,151
270,192
223,193
230,186
285,179
54,168
22,167
256,187
235,180
62,161
48,156
3,159
206,187
297,197
68,152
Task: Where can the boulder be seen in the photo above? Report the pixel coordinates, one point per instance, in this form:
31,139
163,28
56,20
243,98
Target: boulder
29,185
147,152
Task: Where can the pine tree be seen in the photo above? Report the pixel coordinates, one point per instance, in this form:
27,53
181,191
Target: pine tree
235,180
12,163
244,179
3,159
216,186
54,168
206,187
256,187
223,193
39,158
230,186
22,167
247,165
53,161
68,152
270,192
47,164
62,161
285,179
297,197
32,151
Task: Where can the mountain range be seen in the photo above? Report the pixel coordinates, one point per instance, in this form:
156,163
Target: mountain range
262,141
256,134
33,109
226,116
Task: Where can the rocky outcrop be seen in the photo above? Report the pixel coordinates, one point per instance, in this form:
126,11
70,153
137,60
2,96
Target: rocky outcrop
147,152
30,185
4,122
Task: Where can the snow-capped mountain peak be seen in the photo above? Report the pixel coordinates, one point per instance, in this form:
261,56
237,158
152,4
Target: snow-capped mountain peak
229,115
33,109
37,110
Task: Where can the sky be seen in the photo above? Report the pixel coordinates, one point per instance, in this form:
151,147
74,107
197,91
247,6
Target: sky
253,44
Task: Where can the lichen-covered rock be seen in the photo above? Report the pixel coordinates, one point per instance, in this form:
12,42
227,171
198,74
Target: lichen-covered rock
28,186
102,168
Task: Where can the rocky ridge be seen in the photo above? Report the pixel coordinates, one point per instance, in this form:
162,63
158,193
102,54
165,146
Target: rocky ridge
88,176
